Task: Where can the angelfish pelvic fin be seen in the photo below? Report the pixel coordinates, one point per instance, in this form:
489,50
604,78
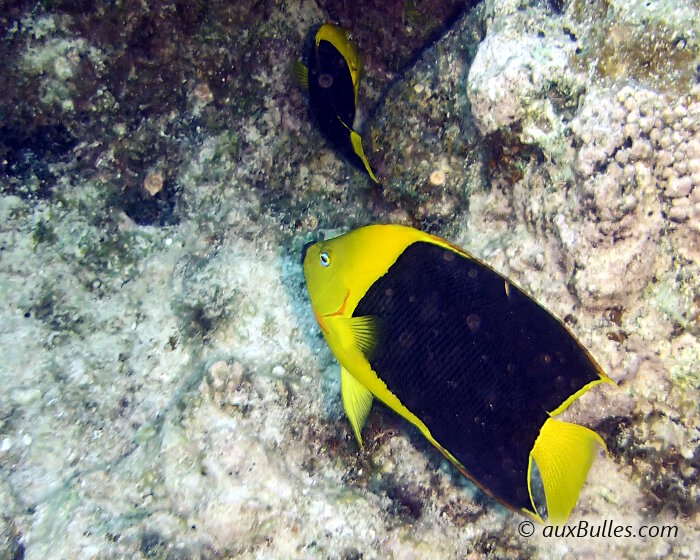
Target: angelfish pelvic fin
564,454
357,401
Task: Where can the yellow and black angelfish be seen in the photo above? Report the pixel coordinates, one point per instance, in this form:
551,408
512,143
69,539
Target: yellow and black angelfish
478,366
332,77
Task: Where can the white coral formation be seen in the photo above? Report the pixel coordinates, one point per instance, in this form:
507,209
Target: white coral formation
638,149
510,78
507,76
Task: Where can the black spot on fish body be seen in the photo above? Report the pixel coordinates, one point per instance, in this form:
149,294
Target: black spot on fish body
473,322
522,495
325,80
429,311
406,338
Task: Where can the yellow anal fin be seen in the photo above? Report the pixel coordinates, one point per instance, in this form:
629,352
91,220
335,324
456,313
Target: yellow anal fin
356,141
357,148
357,401
564,454
301,74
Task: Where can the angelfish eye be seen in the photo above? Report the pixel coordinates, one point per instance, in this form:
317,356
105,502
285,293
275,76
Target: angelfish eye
325,259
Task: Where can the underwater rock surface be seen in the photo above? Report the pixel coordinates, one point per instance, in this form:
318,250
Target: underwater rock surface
165,390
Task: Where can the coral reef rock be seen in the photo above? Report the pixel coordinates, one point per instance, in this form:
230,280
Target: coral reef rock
165,389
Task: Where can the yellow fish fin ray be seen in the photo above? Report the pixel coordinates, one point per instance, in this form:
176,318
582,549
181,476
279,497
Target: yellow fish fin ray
356,141
357,147
301,74
357,401
355,333
564,453
365,332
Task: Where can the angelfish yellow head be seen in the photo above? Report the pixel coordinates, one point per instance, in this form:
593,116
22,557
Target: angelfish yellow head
339,271
326,279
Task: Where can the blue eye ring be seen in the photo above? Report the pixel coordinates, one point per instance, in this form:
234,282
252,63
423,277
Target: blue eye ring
325,259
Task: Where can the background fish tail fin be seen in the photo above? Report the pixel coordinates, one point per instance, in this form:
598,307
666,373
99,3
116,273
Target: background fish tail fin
357,401
564,454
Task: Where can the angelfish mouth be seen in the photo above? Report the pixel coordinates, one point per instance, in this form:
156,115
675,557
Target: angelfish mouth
341,310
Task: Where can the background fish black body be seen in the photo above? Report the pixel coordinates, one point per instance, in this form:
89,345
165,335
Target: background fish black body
332,97
478,361
331,91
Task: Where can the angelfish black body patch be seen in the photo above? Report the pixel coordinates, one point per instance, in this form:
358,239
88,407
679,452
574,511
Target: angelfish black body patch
474,358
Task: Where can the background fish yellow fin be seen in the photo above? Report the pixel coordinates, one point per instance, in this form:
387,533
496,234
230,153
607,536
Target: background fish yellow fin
356,141
357,401
357,147
564,454
301,74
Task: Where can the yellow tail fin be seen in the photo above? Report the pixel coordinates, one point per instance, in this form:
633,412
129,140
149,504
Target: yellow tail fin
564,454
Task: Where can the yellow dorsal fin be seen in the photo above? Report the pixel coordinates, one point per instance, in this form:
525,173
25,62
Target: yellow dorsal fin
564,454
301,74
357,401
